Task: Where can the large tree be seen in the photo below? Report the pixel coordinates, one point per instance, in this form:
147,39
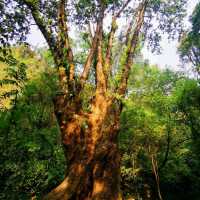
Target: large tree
89,136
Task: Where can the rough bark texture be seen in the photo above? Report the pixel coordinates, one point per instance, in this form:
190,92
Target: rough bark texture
90,143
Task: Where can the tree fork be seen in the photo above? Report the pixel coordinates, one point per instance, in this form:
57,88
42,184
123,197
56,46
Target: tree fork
93,156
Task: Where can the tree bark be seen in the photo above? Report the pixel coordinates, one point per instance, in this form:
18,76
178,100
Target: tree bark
91,149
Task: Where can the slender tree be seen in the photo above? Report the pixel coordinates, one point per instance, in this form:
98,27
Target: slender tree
89,137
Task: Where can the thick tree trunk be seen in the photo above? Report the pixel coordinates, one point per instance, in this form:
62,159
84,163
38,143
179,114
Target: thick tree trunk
90,144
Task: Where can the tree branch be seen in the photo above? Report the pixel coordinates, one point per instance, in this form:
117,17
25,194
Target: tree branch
40,22
90,32
63,40
50,39
100,76
90,57
132,45
107,63
122,8
92,51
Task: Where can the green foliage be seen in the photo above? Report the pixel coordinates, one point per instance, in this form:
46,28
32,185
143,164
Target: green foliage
190,45
156,121
15,77
14,24
30,149
169,16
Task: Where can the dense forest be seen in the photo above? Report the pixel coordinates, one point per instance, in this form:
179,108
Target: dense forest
86,117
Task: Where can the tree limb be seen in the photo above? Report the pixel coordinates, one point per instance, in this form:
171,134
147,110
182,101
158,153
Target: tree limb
122,9
100,76
40,22
90,32
90,57
63,40
132,45
107,63
92,51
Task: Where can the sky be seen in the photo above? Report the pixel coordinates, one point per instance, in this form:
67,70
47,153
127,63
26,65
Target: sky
168,58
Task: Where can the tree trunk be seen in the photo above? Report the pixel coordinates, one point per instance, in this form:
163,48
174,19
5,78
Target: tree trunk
155,172
91,150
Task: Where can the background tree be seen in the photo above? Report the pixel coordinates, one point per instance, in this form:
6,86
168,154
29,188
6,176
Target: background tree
156,137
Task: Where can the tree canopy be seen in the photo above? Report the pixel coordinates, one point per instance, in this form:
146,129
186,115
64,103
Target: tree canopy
190,44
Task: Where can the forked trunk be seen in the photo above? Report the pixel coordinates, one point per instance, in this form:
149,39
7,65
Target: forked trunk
90,144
